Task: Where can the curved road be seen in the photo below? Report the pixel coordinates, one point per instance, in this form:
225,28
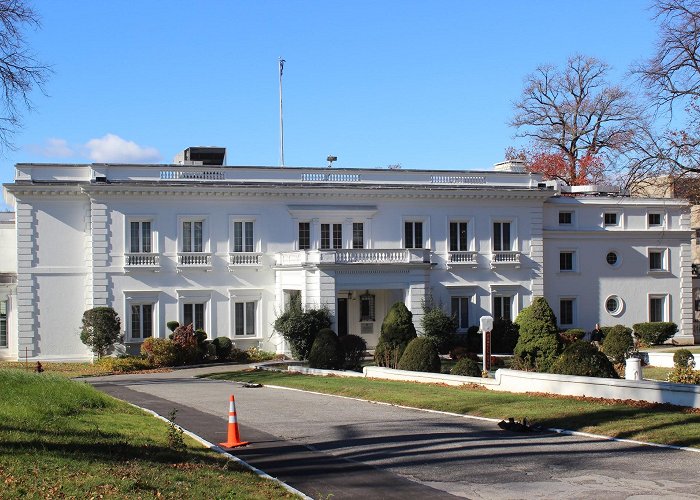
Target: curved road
326,445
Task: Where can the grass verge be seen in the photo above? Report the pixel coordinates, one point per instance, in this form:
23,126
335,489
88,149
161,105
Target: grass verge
60,438
69,370
654,423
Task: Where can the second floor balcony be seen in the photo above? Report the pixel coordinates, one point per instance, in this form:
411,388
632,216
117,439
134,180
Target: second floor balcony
142,260
505,258
389,256
194,260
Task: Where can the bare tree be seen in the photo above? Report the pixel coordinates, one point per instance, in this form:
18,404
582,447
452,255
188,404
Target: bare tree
576,114
20,72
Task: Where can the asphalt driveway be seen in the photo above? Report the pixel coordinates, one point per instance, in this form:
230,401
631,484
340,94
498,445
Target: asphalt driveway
325,445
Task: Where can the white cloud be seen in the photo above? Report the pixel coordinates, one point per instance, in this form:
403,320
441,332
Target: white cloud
111,148
52,148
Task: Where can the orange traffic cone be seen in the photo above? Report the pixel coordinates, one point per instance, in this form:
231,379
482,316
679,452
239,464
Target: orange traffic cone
234,439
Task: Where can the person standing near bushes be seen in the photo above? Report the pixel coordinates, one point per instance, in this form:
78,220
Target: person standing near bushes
597,334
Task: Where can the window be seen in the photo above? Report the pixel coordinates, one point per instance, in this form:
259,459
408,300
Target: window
358,235
413,235
460,311
566,261
304,235
337,236
3,323
657,306
613,305
367,307
566,311
566,218
458,237
141,321
244,318
194,314
192,240
502,307
501,236
654,220
140,237
611,258
610,219
243,236
656,260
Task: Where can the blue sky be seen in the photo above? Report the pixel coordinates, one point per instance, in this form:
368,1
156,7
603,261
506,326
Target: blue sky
426,84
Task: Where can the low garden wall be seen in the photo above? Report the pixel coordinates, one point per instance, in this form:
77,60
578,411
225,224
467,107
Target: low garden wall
569,385
662,359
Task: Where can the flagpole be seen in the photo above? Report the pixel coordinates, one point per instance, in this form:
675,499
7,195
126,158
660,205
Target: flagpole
281,67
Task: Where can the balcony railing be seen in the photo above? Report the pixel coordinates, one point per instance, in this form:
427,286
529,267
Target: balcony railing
244,259
194,260
499,258
462,257
355,256
141,260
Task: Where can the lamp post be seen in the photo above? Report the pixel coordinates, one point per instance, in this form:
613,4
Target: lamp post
486,325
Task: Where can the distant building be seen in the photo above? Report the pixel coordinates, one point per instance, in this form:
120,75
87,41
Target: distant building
226,248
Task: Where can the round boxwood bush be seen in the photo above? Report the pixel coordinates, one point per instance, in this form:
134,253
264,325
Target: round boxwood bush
354,348
397,331
538,343
656,332
326,352
618,343
584,359
466,367
683,358
223,346
172,325
420,355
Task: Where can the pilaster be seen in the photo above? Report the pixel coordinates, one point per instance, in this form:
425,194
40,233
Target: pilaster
27,310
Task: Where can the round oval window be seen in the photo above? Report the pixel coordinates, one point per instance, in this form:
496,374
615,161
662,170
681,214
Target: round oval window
611,258
614,305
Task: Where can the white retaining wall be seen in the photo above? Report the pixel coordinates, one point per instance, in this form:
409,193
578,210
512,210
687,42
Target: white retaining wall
569,385
662,359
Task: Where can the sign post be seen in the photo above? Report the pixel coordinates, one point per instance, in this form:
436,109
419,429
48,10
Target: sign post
486,325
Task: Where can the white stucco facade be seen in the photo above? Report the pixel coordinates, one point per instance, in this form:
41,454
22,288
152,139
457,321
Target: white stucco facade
225,247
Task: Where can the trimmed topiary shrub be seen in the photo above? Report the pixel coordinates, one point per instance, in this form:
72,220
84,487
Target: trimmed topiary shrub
223,346
101,329
683,358
172,325
438,326
420,355
584,359
354,348
504,336
654,332
538,343
326,352
397,331
299,328
467,368
618,343
160,352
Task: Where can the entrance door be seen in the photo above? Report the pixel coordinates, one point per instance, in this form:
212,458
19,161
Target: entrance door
342,315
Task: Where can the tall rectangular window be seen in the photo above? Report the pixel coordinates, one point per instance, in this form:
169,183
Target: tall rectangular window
367,307
141,321
243,236
193,314
331,236
358,235
413,235
3,323
566,312
325,236
337,236
502,307
458,237
656,308
656,260
244,318
566,261
501,236
460,311
192,236
140,237
304,235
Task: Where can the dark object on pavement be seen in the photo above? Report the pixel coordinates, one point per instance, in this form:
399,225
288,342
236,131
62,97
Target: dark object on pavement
513,425
251,385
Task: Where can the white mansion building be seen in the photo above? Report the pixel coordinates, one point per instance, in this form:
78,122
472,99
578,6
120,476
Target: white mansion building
226,247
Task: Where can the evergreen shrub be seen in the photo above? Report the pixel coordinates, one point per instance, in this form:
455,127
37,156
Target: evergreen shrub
223,346
683,358
618,343
466,367
172,325
504,336
396,332
326,352
584,359
654,332
438,326
101,329
538,343
420,355
354,348
299,328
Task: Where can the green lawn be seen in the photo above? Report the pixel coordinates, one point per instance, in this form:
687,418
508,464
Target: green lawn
670,348
645,422
656,373
60,438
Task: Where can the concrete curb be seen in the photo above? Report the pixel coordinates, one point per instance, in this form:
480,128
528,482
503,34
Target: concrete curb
221,451
566,432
